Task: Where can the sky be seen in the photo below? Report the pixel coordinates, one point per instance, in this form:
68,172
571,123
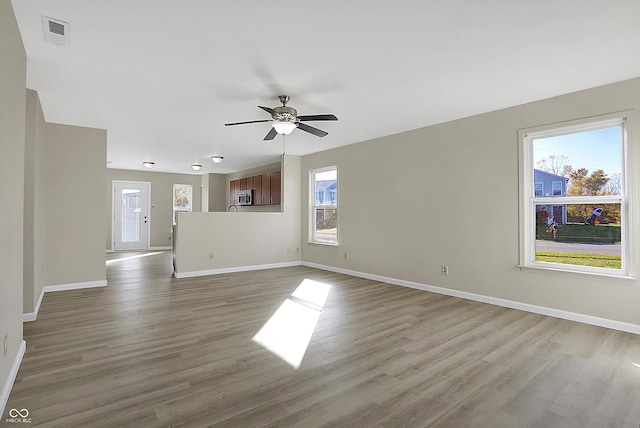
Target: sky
598,149
326,175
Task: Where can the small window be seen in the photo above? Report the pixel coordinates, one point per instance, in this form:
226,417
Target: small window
539,191
582,225
182,197
324,212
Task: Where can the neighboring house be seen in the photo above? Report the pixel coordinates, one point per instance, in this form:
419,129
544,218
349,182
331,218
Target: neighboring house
326,192
550,185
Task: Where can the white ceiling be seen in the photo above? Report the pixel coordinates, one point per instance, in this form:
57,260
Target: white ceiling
163,76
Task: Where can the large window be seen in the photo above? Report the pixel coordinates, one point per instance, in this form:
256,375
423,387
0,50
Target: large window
582,225
324,211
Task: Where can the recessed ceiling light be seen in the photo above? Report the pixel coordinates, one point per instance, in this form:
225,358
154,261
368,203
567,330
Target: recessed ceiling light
148,164
196,166
216,159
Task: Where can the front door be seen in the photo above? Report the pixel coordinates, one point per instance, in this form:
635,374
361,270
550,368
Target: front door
131,215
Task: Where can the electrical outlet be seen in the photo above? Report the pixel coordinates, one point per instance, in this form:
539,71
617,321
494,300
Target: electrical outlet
444,269
210,256
6,345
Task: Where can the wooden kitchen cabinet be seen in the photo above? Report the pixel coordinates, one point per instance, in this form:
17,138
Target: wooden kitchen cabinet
275,187
266,189
257,189
234,188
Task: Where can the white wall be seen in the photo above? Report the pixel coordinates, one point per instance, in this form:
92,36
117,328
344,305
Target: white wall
242,239
448,194
13,62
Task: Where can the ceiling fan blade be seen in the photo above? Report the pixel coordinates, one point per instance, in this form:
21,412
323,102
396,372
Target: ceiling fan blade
249,121
309,117
311,130
267,109
270,135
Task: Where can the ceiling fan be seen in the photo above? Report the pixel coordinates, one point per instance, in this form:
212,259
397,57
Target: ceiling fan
285,119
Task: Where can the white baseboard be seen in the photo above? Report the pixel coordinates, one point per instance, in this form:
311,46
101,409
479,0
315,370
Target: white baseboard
235,269
13,372
31,316
571,316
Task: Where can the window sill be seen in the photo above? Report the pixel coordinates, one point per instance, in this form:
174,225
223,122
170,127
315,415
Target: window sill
571,272
329,244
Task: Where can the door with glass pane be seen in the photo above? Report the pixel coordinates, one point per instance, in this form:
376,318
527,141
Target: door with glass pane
131,215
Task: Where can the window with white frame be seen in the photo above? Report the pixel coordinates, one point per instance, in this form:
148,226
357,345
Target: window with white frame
539,189
324,210
582,227
182,199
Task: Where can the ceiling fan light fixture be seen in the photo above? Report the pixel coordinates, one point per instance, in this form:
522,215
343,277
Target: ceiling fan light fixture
196,167
217,159
148,164
284,127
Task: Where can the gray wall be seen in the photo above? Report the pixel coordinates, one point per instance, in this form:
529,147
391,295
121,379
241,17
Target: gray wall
161,201
411,202
63,166
244,239
63,231
34,202
217,191
13,63
75,165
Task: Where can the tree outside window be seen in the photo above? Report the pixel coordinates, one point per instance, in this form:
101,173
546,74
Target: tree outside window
182,197
582,226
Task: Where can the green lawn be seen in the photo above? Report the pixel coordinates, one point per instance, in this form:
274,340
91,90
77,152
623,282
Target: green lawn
582,259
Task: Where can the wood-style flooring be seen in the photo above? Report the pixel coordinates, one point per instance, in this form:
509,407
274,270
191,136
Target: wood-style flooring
150,350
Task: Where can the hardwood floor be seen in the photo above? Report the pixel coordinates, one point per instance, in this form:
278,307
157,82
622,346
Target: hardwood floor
153,351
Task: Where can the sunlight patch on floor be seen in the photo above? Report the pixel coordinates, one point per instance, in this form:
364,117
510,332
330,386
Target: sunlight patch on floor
137,256
288,332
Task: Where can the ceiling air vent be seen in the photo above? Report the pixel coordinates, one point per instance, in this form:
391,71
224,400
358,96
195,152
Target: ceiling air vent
56,32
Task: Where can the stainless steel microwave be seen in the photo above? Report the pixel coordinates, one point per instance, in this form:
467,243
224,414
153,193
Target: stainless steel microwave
244,197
